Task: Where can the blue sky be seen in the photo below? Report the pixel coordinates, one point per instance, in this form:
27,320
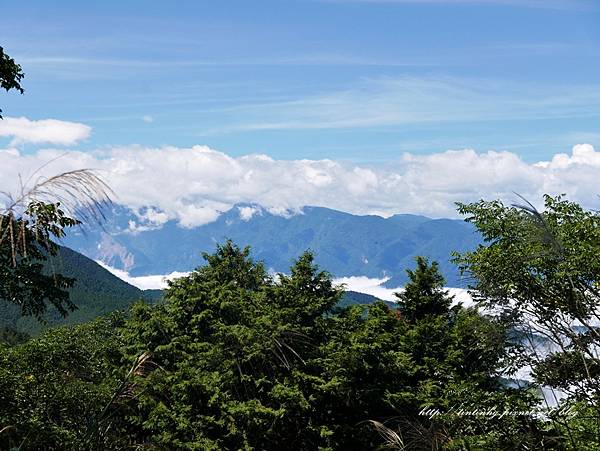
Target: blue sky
350,80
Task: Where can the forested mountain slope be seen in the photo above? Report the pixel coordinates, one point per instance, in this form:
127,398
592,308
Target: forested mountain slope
96,292
344,244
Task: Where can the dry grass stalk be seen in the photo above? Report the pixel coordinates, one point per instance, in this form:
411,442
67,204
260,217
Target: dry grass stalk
391,438
82,195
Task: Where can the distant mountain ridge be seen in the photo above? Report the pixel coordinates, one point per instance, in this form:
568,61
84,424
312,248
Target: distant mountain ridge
344,244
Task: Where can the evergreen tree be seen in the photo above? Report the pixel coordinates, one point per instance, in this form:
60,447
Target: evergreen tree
237,359
423,294
233,347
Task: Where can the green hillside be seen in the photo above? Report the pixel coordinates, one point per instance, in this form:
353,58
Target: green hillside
96,292
352,298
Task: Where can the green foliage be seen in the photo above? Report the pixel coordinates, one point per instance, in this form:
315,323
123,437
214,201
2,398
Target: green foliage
423,294
53,385
26,241
457,356
578,422
541,272
235,358
255,363
30,223
232,344
11,74
95,292
547,262
12,337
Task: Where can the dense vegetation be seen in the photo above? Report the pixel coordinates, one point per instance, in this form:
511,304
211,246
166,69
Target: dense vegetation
95,292
26,243
242,361
235,358
540,272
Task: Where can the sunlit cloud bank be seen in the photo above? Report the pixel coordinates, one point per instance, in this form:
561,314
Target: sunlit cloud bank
46,131
374,287
144,282
360,284
195,185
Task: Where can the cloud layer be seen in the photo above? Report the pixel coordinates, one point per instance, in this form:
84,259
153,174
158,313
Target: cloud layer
361,284
153,282
194,185
45,131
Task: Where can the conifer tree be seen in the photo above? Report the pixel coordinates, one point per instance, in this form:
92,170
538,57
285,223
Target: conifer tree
423,295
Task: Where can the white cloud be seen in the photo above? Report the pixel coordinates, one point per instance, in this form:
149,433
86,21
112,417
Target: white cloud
154,216
360,284
374,287
195,185
144,282
147,219
45,131
582,155
148,119
247,212
193,214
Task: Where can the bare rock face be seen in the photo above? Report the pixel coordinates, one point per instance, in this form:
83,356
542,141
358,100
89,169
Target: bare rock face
112,253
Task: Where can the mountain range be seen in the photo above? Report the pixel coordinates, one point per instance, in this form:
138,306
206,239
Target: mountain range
343,244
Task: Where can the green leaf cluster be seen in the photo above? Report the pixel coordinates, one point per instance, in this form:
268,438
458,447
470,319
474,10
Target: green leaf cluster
11,74
26,242
541,272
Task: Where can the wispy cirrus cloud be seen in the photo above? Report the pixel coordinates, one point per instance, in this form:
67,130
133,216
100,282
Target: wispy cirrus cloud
563,5
332,59
90,67
401,101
